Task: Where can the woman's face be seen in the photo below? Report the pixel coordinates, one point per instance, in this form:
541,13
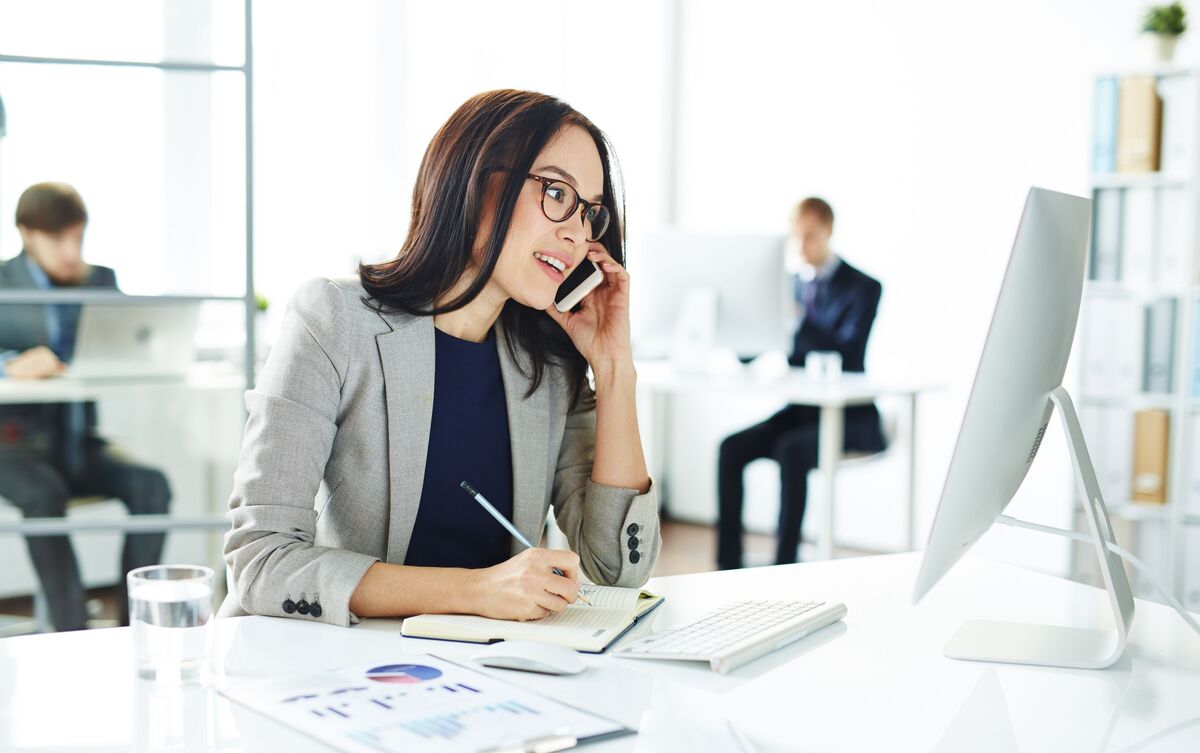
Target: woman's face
522,273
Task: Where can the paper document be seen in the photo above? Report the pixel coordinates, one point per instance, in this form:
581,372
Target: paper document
418,702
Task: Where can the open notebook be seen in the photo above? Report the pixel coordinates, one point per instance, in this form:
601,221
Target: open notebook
584,628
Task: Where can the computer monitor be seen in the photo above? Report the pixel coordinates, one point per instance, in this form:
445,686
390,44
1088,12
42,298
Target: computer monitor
743,276
1017,386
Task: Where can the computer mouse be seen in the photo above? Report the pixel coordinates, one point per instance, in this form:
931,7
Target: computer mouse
531,656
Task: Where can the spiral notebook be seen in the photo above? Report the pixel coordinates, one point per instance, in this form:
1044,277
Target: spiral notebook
591,629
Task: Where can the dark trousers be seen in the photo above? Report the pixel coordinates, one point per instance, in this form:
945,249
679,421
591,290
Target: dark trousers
789,438
40,488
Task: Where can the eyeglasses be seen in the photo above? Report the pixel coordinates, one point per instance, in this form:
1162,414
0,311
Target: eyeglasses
560,200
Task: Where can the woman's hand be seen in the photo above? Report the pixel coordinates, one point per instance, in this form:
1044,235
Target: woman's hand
600,329
525,588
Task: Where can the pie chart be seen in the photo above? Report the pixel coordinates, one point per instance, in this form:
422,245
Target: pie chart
405,674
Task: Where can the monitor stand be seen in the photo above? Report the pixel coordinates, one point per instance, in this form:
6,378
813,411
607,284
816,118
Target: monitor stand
1053,645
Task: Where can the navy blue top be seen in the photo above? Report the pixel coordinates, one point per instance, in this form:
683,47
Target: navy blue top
468,440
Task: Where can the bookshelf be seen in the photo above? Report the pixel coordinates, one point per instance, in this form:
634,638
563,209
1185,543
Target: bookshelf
1139,385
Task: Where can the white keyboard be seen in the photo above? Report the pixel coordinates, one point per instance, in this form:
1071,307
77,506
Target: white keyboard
737,633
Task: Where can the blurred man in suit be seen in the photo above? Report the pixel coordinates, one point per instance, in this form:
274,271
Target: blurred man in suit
835,306
50,452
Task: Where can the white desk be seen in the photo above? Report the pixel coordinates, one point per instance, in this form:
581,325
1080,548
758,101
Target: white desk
832,397
877,682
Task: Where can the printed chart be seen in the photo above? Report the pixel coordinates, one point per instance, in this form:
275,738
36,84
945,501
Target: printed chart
416,703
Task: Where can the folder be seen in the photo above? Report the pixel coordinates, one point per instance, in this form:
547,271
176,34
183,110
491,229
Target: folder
1159,363
1104,125
1171,237
1151,439
1106,234
1138,238
1196,365
1139,120
1109,435
1178,134
1112,345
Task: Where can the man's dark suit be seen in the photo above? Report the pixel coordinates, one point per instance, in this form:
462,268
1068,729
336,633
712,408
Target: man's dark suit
49,452
839,319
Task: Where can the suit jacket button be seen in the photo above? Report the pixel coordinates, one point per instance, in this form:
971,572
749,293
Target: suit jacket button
633,542
302,606
314,610
633,529
289,606
635,556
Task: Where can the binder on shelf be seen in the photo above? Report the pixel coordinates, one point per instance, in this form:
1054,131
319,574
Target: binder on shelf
1171,237
1196,364
1151,440
1160,346
1109,433
1139,120
1178,94
1193,500
1112,345
1138,237
1191,568
1106,234
1104,126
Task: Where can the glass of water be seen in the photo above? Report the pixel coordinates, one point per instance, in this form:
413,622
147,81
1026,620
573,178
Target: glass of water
823,365
169,610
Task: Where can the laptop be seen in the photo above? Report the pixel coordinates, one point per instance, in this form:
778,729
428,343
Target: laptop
135,341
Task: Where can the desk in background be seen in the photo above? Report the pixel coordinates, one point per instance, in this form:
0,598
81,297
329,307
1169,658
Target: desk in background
878,681
664,382
199,488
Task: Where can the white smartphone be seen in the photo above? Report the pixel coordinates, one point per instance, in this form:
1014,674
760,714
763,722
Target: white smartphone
583,280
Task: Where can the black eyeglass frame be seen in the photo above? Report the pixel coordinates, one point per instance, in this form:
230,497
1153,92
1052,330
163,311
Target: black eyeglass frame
579,201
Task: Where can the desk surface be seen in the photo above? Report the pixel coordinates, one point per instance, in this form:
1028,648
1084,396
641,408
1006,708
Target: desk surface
793,384
876,682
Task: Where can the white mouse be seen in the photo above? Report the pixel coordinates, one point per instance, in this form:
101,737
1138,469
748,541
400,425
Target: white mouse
531,656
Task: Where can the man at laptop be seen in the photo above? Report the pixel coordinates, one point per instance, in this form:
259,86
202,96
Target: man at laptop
835,306
49,452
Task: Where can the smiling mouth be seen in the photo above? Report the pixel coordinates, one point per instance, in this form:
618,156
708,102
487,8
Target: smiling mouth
551,262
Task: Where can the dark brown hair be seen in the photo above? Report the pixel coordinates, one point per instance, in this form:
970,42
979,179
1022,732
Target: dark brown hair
51,207
495,133
816,206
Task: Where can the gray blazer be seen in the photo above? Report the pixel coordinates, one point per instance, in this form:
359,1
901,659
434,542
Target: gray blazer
333,461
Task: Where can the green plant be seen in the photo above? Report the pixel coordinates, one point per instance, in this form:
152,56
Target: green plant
261,301
1165,19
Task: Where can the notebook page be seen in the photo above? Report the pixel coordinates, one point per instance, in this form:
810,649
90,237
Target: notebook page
610,597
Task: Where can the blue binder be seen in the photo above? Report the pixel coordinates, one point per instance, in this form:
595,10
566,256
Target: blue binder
1104,126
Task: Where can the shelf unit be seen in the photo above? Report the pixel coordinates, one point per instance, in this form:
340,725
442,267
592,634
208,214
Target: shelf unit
1160,532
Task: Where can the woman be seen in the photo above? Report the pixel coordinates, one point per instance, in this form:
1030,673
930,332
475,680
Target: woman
450,363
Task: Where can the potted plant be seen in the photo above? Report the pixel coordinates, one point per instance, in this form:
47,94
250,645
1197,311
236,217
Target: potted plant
1161,29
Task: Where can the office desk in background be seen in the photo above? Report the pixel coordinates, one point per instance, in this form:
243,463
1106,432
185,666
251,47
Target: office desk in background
664,382
877,682
210,436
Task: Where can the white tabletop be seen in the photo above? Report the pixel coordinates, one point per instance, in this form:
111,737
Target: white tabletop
877,682
795,385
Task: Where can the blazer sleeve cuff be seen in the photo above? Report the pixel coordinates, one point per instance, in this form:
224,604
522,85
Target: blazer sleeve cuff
629,520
